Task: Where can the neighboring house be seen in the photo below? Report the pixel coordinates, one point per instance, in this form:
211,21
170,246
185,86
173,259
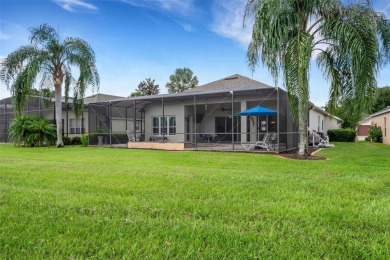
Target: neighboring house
72,126
363,127
321,121
382,119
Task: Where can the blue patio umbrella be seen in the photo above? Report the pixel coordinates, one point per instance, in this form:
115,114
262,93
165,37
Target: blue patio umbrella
258,111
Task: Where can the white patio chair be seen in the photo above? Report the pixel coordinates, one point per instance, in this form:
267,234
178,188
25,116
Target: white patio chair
133,137
260,144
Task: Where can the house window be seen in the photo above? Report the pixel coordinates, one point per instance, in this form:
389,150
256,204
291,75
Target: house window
76,126
319,120
385,127
164,125
223,124
322,126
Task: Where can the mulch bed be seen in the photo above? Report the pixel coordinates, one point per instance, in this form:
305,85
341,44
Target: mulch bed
293,154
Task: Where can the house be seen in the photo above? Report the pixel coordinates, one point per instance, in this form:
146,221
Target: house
381,119
205,116
362,128
200,118
321,121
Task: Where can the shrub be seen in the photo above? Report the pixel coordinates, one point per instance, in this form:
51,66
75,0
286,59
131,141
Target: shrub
76,140
375,133
67,140
84,139
342,135
32,131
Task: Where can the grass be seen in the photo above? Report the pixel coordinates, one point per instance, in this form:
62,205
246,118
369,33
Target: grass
81,202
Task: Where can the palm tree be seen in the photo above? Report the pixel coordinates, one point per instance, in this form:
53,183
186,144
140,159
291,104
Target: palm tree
51,60
352,43
32,131
182,80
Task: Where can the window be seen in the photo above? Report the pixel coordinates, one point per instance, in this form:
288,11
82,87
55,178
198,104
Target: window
76,126
224,127
322,127
164,125
319,120
385,127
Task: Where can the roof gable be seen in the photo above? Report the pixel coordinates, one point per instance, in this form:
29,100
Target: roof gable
235,81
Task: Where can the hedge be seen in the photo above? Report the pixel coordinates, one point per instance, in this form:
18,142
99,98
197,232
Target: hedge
342,135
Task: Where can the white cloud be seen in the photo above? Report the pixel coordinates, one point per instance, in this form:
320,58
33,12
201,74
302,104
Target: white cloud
72,5
186,26
172,6
4,36
228,21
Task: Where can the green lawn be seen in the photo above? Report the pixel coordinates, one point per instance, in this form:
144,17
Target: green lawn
81,202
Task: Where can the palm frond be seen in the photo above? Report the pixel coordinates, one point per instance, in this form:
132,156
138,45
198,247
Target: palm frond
43,34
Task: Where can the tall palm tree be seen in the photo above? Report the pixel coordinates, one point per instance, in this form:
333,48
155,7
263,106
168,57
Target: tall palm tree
182,80
352,42
51,60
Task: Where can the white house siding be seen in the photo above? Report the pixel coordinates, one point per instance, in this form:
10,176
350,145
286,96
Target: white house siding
176,110
331,123
316,121
119,125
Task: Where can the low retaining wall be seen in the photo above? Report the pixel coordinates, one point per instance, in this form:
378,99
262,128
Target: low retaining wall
157,146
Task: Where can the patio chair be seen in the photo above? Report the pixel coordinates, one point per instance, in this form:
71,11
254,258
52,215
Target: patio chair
319,140
270,143
262,144
133,137
324,142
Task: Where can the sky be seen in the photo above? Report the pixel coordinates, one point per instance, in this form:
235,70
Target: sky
138,39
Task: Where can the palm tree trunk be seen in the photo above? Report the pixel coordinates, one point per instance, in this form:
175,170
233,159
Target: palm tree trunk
302,114
58,105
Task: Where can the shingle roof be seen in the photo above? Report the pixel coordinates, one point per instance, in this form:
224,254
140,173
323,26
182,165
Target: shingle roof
233,82
100,97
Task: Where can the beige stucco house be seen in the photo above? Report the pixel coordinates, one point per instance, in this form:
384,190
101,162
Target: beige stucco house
382,118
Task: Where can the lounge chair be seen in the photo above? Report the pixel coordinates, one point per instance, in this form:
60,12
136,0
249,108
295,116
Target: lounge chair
133,137
262,144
